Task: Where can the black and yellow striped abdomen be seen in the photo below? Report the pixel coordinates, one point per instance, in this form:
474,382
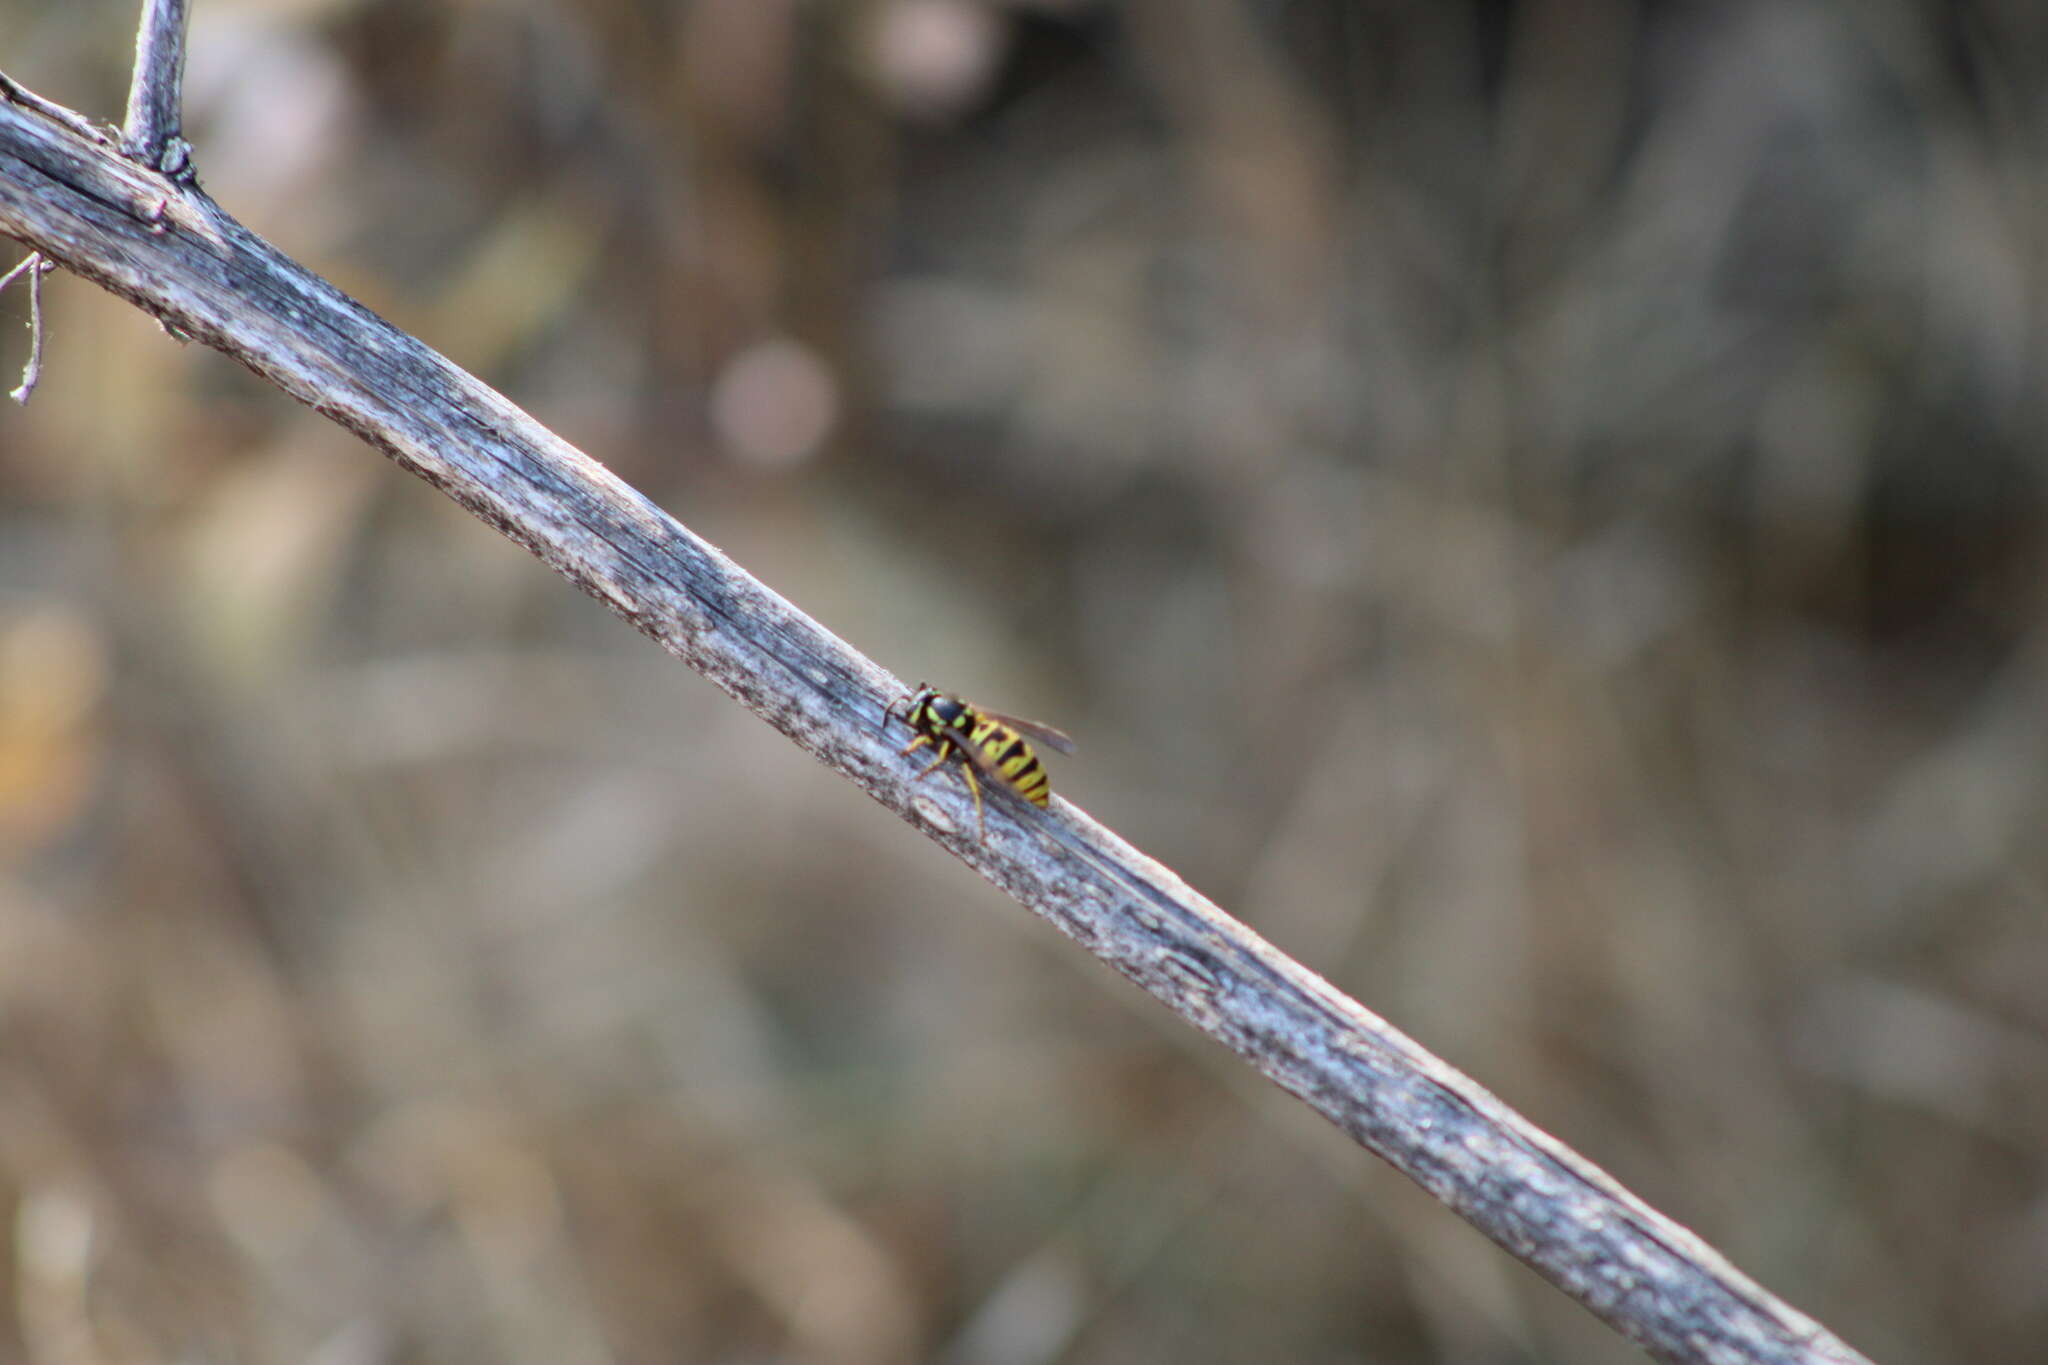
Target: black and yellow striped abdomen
1014,759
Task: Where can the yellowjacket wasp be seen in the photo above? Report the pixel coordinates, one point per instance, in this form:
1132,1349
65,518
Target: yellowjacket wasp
997,744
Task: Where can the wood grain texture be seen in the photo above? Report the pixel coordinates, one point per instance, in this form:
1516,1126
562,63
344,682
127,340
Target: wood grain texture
66,191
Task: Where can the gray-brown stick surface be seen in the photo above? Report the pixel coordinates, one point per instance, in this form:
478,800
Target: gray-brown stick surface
170,251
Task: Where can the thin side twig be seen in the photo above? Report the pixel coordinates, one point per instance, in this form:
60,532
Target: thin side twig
152,131
35,265
14,91
170,251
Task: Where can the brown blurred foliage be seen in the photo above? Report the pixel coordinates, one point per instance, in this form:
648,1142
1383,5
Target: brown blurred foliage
1537,506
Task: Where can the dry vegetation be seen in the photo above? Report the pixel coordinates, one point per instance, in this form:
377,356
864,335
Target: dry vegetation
1537,507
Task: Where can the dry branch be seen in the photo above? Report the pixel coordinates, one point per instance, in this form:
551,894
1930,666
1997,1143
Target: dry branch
151,132
66,191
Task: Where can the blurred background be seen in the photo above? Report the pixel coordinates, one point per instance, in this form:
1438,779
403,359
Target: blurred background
1536,506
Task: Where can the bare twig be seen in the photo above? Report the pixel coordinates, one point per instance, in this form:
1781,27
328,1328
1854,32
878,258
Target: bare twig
172,252
15,91
152,131
21,266
35,265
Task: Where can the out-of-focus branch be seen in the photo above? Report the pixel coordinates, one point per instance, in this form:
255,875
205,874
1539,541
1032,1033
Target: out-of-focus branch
152,132
169,250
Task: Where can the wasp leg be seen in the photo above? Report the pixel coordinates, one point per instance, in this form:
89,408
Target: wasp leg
980,820
944,750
